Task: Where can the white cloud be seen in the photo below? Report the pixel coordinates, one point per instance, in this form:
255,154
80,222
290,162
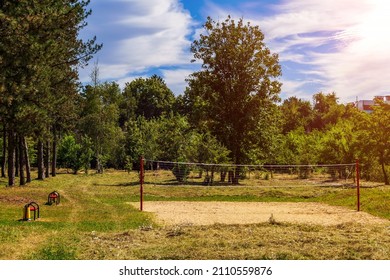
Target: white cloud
292,86
139,35
335,45
175,79
165,40
122,82
107,71
357,63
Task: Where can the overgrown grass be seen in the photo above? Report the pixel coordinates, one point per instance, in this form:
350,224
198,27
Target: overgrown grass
258,241
96,221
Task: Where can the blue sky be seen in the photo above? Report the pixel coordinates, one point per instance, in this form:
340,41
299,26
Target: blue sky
340,46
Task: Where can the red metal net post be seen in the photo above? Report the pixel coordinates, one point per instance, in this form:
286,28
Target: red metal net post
141,180
358,184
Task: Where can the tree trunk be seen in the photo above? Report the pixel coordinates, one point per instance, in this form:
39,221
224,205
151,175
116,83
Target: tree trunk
11,158
99,165
47,159
223,176
4,159
54,154
237,160
230,176
236,175
212,176
16,147
22,178
27,159
41,168
386,178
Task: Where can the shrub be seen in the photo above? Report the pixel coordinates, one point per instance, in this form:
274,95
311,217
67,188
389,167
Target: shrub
181,172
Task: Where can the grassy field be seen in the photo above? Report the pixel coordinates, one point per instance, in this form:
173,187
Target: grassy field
96,221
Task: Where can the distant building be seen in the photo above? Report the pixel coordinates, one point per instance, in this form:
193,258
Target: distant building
367,105
385,98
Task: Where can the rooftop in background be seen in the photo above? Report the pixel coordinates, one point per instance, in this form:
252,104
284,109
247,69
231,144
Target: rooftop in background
366,105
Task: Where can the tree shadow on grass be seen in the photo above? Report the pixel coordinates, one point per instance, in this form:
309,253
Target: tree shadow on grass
129,184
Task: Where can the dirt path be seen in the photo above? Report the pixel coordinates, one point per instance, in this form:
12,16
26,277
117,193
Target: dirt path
206,213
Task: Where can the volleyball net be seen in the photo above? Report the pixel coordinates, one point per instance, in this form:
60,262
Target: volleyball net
166,173
186,173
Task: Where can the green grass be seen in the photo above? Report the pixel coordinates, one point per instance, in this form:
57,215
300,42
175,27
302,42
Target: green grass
88,203
96,221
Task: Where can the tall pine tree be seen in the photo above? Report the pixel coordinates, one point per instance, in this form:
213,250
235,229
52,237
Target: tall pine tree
39,40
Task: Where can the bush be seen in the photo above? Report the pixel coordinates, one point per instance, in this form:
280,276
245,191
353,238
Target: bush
181,172
373,172
73,155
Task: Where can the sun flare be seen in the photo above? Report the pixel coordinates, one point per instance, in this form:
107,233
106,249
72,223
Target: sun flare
375,24
372,29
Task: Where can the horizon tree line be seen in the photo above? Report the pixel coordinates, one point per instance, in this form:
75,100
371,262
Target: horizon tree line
231,111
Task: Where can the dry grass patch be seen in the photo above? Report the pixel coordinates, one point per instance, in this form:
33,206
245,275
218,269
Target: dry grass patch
255,241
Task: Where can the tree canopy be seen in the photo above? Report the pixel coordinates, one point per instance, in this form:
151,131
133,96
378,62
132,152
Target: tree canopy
237,84
39,54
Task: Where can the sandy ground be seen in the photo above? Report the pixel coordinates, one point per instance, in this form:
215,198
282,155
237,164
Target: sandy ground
207,213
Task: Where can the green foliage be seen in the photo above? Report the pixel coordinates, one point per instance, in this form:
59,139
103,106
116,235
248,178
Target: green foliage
326,111
337,143
170,138
56,250
181,172
299,147
204,148
173,136
40,50
39,38
238,80
99,121
128,164
86,153
163,138
68,153
73,155
296,113
141,138
149,98
263,143
375,138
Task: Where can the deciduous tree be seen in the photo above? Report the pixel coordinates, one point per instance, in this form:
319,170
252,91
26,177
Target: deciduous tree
148,97
378,136
237,85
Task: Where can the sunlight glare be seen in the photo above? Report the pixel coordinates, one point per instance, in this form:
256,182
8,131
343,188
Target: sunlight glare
372,31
